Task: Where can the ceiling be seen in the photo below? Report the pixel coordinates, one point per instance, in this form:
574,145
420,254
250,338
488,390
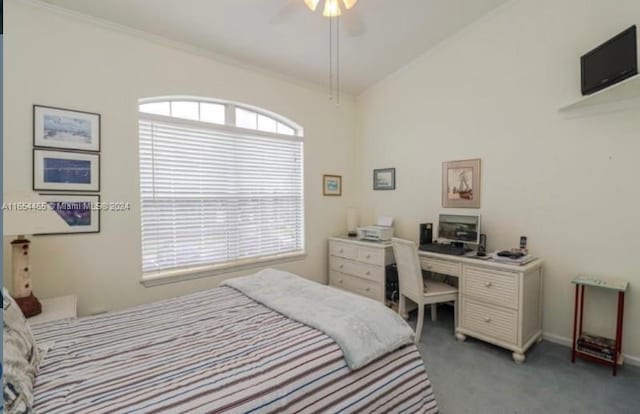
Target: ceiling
378,36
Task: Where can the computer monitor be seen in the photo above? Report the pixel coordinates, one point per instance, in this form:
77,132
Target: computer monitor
459,228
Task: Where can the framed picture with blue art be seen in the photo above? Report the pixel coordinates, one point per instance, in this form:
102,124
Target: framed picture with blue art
332,185
81,212
65,170
65,129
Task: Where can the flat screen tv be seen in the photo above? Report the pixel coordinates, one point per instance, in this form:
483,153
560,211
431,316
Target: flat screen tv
611,62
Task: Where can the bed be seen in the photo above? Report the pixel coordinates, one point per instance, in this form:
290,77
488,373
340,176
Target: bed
215,351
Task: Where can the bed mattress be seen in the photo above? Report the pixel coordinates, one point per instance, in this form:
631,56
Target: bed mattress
215,351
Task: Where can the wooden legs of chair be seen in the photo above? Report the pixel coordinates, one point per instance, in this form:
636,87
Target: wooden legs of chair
434,312
419,323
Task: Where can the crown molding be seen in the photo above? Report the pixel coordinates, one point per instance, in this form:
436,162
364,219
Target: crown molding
177,45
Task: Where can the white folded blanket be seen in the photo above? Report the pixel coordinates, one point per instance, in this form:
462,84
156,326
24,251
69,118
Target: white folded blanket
363,328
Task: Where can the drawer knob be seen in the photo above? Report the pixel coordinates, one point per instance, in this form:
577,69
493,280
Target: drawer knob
368,256
340,281
368,289
488,284
341,250
428,266
341,266
487,320
368,272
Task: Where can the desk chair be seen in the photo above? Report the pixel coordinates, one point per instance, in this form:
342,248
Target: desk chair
413,287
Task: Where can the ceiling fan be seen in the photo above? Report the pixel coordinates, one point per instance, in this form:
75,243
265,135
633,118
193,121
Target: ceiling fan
333,11
332,8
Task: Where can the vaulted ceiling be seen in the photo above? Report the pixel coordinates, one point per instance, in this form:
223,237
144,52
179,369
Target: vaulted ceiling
378,36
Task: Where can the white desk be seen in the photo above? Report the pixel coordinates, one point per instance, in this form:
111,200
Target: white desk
498,303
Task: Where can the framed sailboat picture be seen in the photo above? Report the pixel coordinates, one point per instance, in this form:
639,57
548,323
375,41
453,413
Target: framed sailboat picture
461,184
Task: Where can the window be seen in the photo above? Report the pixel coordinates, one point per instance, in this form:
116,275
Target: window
221,185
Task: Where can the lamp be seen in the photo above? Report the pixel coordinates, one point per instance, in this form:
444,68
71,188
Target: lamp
27,214
333,10
331,7
352,221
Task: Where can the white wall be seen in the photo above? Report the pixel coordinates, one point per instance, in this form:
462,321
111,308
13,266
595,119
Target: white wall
492,92
52,59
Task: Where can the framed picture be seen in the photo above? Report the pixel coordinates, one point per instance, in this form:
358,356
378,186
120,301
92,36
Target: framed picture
332,185
65,170
65,129
80,212
384,179
461,184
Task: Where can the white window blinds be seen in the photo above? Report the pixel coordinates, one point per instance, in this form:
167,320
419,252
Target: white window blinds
214,196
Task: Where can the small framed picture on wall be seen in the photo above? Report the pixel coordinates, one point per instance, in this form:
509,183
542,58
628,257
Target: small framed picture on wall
65,129
332,185
384,179
80,212
65,170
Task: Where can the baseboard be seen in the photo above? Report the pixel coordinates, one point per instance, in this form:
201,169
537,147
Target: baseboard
564,341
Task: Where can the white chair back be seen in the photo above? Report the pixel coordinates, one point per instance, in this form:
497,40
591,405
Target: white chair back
409,270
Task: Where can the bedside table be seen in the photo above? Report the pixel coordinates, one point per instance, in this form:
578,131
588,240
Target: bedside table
54,309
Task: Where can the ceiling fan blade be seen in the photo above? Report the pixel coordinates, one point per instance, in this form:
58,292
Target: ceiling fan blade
292,7
354,24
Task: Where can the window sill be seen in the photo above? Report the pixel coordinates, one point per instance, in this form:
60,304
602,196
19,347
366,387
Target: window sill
180,275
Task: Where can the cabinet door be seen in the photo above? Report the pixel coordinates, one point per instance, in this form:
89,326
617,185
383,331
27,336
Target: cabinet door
444,267
354,284
490,321
371,256
492,286
346,250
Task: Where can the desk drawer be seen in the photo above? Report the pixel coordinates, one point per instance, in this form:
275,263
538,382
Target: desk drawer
348,251
364,287
491,321
492,286
371,256
444,267
363,270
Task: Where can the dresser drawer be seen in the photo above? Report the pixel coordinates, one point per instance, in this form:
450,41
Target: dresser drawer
492,286
490,321
348,251
444,267
363,270
357,285
371,256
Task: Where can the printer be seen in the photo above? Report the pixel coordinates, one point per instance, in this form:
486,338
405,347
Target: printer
381,231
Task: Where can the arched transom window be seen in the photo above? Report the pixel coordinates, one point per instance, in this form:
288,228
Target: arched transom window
221,185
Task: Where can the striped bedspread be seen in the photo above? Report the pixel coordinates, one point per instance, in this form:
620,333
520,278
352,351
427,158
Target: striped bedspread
215,351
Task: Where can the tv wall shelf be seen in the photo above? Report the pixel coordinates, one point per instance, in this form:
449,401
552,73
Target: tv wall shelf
621,96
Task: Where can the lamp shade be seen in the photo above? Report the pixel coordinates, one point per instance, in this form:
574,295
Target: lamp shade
27,213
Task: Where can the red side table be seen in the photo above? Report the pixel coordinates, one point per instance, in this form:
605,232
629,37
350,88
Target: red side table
605,351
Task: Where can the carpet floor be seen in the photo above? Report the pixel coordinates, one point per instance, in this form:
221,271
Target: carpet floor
476,377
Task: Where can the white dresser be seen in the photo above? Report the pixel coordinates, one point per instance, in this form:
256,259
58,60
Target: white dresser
359,266
498,303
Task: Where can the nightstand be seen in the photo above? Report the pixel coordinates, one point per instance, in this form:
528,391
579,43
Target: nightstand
54,309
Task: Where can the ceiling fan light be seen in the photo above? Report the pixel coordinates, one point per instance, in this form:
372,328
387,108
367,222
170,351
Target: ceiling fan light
331,8
349,3
312,4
